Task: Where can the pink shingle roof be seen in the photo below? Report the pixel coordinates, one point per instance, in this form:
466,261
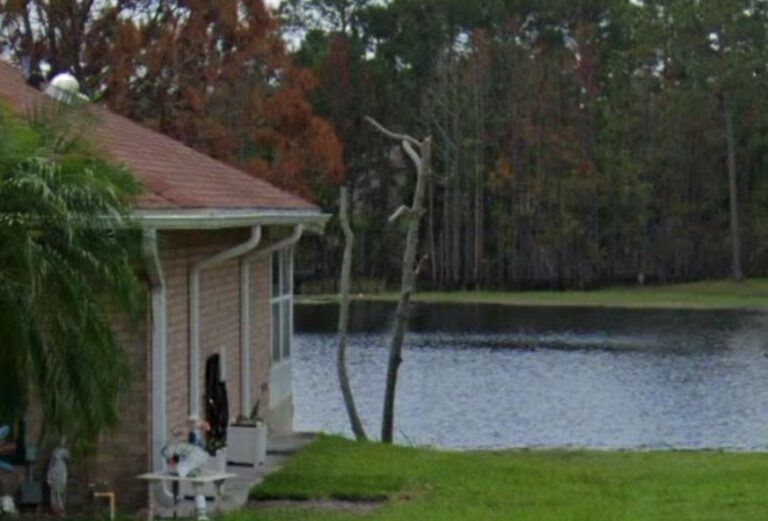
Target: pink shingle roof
174,176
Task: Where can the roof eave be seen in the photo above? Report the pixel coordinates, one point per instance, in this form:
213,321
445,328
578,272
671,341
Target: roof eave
219,219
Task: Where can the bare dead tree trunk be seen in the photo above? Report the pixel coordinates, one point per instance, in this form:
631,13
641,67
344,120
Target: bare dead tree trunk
431,233
477,225
479,213
420,153
456,214
445,247
341,351
736,272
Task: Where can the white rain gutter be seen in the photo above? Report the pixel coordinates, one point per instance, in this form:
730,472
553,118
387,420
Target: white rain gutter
194,311
159,360
216,219
245,311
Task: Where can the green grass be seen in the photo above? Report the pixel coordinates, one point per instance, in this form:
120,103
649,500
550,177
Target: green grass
719,294
558,485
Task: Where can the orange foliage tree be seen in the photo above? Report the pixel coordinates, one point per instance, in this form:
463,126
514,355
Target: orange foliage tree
213,74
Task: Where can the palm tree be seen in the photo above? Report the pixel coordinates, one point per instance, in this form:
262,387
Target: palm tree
66,250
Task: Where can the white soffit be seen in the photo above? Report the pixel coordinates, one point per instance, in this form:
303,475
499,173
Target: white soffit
213,219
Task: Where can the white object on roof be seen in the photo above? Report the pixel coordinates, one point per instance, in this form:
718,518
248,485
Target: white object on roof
65,87
66,82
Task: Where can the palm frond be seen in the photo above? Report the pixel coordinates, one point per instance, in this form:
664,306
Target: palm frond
67,249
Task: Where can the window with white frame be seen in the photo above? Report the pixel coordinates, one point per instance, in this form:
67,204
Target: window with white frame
282,304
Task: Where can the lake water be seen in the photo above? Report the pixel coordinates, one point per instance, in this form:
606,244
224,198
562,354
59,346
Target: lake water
487,376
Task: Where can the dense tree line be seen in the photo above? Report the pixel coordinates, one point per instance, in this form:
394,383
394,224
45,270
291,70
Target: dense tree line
576,143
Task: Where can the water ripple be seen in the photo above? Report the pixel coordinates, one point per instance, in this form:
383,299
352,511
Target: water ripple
645,380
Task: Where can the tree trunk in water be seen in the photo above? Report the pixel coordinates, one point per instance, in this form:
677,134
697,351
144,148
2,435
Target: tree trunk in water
341,352
733,187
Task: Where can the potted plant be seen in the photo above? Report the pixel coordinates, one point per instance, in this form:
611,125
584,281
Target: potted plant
248,440
217,449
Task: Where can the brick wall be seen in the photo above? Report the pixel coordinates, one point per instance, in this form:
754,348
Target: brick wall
126,452
219,315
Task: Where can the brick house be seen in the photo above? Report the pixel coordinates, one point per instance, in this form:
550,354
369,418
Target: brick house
218,280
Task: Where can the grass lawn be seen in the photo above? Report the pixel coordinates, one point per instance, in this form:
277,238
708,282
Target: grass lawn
563,485
718,294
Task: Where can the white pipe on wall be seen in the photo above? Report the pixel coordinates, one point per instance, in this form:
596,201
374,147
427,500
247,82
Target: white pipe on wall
159,359
280,245
245,312
245,337
194,311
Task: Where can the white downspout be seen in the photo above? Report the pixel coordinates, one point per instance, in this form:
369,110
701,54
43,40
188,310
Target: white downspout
245,337
159,359
245,312
194,311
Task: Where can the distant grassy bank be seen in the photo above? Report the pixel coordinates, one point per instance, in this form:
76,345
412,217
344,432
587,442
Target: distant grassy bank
716,294
420,484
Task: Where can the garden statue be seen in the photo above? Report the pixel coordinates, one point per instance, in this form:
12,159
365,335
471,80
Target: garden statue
57,480
7,506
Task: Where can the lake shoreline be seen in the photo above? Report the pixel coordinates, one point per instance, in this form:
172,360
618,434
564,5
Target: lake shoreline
750,295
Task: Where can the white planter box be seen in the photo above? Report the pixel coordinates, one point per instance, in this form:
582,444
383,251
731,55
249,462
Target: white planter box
247,444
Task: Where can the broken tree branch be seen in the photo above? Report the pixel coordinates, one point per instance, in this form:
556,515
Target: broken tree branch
412,154
403,210
394,135
420,265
